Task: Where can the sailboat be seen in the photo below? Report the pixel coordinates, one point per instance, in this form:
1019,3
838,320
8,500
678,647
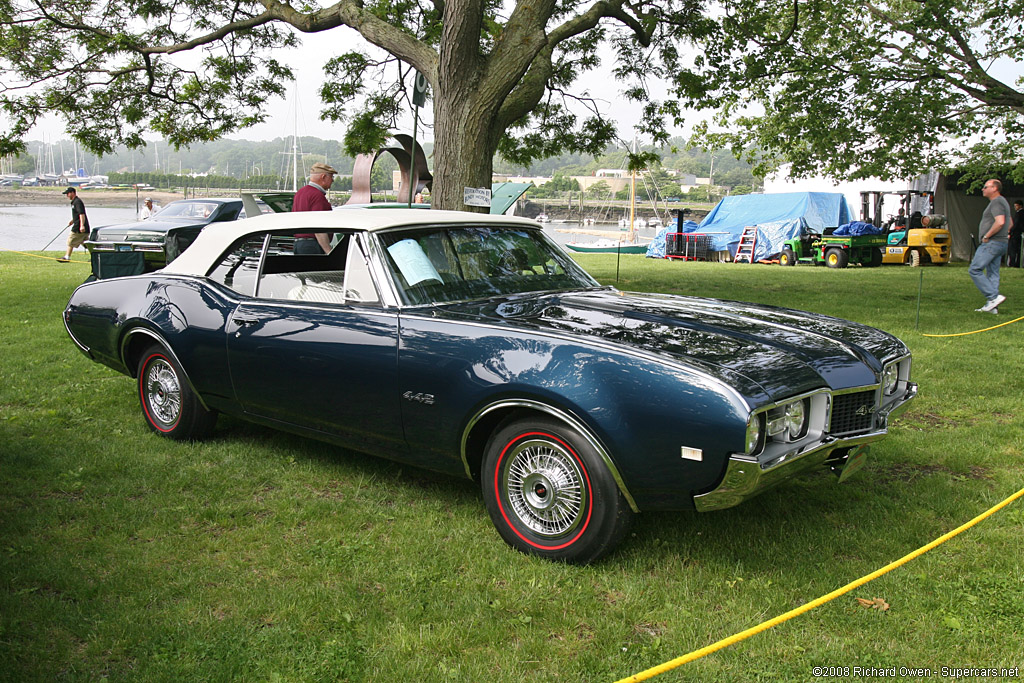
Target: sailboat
619,246
607,246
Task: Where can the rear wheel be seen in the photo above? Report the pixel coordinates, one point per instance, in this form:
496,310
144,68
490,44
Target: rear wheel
169,405
837,258
876,258
914,258
787,257
549,493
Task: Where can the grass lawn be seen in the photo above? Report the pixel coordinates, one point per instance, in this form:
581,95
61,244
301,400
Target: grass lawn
260,556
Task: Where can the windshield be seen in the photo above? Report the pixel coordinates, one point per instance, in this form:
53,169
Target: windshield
434,265
188,209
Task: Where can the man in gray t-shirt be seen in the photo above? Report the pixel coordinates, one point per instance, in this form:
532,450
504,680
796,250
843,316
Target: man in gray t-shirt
992,235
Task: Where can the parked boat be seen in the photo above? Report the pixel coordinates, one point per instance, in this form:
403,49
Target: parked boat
606,246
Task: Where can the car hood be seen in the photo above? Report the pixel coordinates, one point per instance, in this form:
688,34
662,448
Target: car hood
765,352
141,231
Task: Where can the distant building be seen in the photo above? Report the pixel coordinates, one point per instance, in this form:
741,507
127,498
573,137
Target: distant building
536,180
689,181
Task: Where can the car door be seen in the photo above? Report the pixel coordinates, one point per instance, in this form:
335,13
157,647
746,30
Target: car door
302,353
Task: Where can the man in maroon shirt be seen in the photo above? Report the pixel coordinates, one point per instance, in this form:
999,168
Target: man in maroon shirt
313,197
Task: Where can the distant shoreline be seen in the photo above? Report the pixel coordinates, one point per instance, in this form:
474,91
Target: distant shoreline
51,196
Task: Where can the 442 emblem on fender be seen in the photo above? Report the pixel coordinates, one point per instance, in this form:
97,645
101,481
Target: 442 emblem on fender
426,399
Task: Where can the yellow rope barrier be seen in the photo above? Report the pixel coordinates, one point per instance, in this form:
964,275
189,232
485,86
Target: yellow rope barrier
48,258
764,626
961,334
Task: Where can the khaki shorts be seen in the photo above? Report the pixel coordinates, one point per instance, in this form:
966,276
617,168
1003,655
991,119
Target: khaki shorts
77,239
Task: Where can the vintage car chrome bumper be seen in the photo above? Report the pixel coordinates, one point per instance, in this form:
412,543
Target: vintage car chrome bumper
123,246
747,476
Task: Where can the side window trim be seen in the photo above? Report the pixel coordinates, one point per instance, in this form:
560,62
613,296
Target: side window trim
262,263
233,250
358,266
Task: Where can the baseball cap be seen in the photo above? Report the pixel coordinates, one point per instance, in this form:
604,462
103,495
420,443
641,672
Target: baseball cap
70,190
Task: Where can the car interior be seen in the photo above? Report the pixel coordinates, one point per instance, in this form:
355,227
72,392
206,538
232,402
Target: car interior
341,276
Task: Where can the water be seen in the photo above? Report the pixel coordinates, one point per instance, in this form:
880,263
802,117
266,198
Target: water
29,228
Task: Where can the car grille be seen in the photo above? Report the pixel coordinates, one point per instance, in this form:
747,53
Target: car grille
852,413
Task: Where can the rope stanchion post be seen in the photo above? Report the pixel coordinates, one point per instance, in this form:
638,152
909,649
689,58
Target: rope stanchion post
920,288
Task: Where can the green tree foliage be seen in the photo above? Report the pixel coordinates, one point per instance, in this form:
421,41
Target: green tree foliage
501,74
558,186
666,185
171,181
20,163
855,88
599,190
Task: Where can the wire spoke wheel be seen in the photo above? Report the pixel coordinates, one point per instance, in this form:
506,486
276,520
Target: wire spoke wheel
169,403
163,391
550,493
544,486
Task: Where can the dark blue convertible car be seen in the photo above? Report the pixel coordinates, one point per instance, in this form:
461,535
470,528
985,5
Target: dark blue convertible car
473,345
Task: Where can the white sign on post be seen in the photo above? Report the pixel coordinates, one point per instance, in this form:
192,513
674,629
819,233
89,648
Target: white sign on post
476,196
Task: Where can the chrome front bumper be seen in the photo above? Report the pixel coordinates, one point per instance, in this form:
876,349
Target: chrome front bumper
746,476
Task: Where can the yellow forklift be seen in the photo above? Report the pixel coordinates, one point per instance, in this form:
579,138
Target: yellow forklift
916,234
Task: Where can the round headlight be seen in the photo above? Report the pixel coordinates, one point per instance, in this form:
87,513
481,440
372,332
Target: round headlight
796,419
890,377
753,433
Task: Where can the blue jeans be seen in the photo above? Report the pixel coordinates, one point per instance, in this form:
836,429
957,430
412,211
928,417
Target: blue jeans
984,268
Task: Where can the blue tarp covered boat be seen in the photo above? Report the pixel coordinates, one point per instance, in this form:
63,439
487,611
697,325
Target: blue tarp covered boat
778,217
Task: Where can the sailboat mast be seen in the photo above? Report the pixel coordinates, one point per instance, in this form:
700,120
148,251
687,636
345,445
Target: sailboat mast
295,165
295,143
632,204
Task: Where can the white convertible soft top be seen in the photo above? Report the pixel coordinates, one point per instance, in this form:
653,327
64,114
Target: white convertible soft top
217,237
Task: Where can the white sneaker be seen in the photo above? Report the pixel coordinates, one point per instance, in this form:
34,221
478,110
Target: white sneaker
986,309
990,304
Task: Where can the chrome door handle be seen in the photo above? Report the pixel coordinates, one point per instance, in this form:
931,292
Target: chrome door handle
243,322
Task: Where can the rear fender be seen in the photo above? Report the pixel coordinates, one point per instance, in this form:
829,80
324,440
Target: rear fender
135,341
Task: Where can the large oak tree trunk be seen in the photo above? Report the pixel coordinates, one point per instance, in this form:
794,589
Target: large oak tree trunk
463,153
465,111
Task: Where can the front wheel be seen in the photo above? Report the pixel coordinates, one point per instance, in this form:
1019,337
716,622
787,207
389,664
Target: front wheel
549,493
169,405
836,258
787,257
